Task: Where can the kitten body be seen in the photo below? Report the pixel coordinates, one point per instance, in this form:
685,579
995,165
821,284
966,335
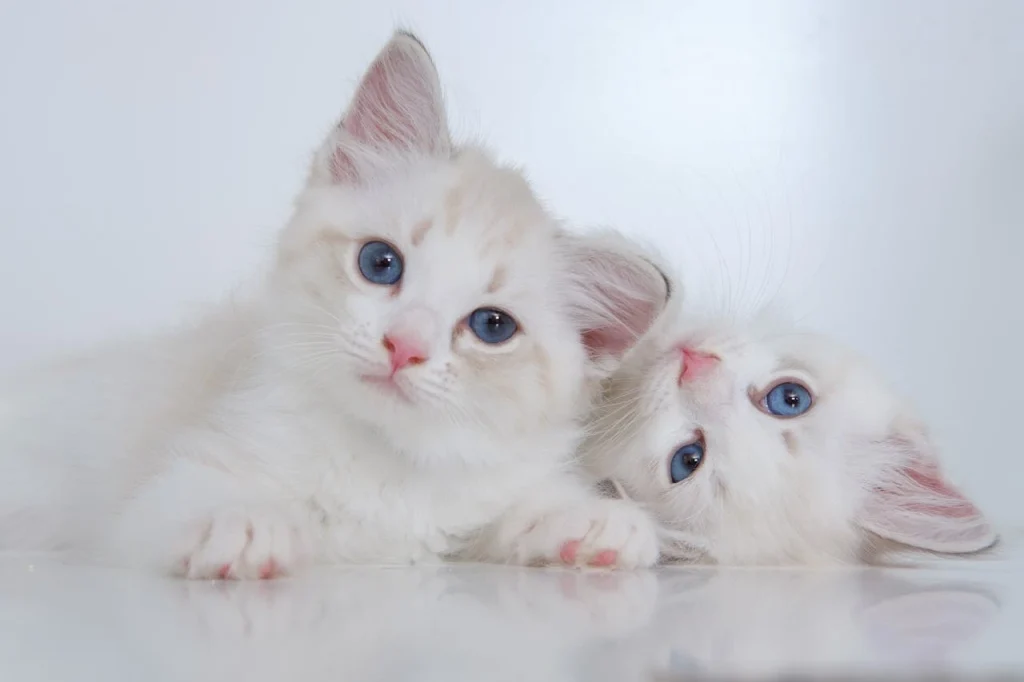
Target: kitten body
855,467
331,415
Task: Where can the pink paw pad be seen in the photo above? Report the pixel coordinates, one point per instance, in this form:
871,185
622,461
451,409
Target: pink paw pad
568,552
225,572
606,557
269,570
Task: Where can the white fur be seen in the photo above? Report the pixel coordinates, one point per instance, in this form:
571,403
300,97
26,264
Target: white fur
821,487
249,444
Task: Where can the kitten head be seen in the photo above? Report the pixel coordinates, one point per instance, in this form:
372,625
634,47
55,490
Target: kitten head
425,288
754,446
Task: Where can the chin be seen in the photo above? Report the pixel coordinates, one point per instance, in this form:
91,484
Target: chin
382,403
397,410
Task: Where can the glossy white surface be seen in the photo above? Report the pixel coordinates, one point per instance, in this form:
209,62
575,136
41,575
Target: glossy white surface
453,623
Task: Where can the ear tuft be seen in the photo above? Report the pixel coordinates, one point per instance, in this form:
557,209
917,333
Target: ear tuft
916,506
397,111
616,291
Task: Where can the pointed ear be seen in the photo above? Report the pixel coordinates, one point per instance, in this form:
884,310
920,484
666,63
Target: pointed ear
616,292
396,112
916,506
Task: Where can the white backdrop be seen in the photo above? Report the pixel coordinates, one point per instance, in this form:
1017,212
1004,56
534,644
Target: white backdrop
862,159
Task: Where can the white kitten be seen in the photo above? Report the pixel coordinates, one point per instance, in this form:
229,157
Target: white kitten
406,385
753,444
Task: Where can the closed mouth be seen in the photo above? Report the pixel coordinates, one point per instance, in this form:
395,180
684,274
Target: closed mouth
387,384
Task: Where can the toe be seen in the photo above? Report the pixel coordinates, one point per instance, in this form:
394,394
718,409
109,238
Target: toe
568,551
605,557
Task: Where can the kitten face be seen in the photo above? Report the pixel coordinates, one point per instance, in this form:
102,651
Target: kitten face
427,289
754,446
471,242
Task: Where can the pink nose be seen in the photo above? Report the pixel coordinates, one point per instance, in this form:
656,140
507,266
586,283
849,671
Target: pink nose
404,351
695,364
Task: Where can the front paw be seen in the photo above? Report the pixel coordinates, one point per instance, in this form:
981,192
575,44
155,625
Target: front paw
600,533
243,544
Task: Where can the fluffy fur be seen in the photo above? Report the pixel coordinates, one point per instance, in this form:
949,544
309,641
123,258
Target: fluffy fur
275,432
826,486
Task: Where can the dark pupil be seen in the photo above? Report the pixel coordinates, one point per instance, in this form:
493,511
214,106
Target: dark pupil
792,398
692,459
494,321
383,261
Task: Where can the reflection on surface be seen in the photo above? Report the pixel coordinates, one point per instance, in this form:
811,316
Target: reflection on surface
62,622
757,621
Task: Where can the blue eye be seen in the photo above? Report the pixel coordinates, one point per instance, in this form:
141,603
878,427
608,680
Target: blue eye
788,399
380,263
686,460
492,325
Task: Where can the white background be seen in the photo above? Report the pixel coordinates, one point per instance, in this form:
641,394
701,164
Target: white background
864,160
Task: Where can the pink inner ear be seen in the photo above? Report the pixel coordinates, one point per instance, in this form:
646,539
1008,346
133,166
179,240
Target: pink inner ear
927,476
617,337
374,118
397,107
376,115
603,342
918,507
614,293
626,316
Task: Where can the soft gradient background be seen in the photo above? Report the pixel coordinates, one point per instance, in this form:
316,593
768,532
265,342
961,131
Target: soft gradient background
861,160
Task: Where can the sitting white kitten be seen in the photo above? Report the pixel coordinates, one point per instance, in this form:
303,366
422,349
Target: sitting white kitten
406,385
758,445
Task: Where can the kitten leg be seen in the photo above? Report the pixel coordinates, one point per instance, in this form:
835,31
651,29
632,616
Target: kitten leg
248,542
201,522
564,523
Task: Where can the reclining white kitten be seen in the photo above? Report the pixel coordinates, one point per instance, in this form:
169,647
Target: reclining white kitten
753,444
407,384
